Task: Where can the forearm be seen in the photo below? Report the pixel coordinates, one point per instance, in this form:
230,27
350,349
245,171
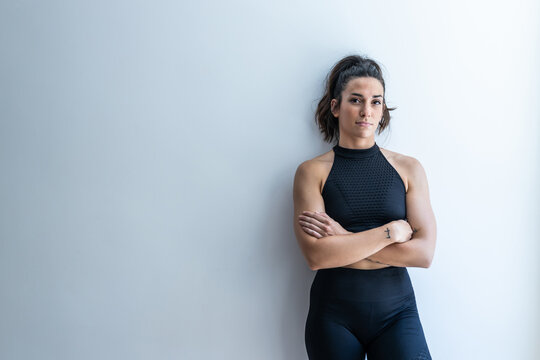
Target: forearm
407,254
341,250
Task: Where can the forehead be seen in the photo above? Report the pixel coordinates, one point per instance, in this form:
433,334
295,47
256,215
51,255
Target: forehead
367,85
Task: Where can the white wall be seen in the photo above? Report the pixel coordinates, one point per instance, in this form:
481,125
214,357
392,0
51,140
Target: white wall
148,149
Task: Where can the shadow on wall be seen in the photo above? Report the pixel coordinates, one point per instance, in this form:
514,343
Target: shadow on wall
294,272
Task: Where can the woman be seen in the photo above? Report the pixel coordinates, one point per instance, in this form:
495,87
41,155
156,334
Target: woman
362,216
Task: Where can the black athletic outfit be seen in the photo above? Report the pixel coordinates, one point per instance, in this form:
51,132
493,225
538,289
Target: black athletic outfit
352,311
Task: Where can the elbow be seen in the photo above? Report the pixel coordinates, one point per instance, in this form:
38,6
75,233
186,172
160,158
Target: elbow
428,252
317,257
427,260
318,265
426,263
313,257
314,263
309,250
317,261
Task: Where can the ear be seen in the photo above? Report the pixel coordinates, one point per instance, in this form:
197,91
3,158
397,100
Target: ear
334,108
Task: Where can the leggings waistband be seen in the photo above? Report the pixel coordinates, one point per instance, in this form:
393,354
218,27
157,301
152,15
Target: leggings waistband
362,285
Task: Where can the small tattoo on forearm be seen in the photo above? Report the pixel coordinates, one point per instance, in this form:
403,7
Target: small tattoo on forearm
387,233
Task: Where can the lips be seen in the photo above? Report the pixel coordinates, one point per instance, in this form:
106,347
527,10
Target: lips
362,123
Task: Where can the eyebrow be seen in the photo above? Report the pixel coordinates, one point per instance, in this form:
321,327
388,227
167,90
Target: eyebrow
374,96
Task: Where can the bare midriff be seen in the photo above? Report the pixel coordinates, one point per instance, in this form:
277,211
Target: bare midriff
366,265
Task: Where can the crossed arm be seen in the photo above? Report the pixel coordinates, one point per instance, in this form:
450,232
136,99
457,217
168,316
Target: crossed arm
419,250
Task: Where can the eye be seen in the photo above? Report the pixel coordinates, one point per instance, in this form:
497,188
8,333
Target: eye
377,102
354,100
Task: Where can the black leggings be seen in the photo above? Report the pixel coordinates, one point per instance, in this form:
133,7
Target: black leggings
353,312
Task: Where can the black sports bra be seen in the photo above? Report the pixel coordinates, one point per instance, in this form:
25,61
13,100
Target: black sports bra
363,190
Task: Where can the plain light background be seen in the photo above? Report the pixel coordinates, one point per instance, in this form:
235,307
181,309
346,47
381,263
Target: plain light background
148,150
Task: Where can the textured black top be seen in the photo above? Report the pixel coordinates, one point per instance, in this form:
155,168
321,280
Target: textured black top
363,190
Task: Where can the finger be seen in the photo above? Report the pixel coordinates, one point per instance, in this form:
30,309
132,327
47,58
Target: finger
327,218
316,225
324,217
311,226
322,230
311,232
315,218
311,219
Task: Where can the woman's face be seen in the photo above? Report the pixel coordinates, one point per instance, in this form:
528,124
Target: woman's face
361,107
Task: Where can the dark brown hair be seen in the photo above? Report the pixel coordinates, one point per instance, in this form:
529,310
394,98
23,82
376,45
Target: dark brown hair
349,67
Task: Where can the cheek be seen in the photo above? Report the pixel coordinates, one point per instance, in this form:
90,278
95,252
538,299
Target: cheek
351,110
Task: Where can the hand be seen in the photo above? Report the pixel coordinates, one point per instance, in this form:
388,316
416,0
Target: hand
319,224
400,231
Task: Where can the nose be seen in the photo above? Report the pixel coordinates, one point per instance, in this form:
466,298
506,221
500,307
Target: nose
366,111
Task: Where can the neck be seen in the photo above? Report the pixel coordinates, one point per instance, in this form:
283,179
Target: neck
356,153
363,143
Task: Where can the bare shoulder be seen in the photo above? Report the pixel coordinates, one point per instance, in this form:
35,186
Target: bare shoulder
316,168
405,160
407,166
